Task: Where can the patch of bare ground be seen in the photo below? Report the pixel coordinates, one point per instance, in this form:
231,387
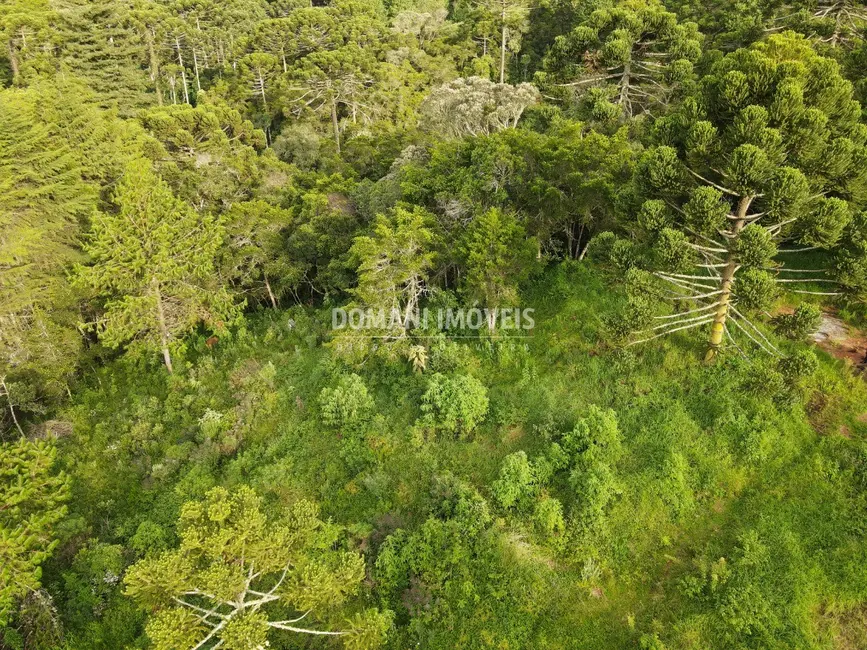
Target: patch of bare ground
848,630
841,341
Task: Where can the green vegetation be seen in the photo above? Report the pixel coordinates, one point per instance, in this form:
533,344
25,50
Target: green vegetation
591,243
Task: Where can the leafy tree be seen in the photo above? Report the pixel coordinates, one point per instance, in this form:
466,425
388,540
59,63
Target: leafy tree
47,190
770,153
511,19
393,267
153,259
101,44
840,23
799,324
476,106
300,32
209,154
348,404
623,60
324,225
453,576
33,502
258,72
594,446
325,81
148,19
516,483
254,258
24,26
240,576
498,257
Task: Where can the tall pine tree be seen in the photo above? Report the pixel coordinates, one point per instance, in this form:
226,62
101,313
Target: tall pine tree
153,259
766,162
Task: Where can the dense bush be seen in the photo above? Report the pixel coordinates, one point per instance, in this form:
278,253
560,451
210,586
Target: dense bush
454,404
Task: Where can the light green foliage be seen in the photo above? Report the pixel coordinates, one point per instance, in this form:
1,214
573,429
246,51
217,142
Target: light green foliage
755,289
548,517
516,484
498,257
112,64
348,404
25,29
756,247
191,156
235,564
455,404
33,498
456,560
153,261
595,447
47,190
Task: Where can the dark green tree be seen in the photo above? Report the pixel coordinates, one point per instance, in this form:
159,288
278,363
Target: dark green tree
765,163
255,258
623,60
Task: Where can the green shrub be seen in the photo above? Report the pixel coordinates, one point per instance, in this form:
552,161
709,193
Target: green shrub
516,482
548,517
454,404
347,404
798,325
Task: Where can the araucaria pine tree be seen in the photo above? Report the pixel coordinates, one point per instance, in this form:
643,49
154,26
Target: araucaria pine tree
240,578
765,162
623,60
153,259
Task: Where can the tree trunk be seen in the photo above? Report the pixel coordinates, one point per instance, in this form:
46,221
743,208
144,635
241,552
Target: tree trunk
164,332
503,44
718,327
196,68
624,90
262,91
334,121
270,293
183,71
13,61
155,67
11,408
492,320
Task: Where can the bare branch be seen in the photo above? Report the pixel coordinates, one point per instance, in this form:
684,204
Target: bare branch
691,311
756,329
676,329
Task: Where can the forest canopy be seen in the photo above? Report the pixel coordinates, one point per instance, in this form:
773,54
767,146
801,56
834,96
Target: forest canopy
419,324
